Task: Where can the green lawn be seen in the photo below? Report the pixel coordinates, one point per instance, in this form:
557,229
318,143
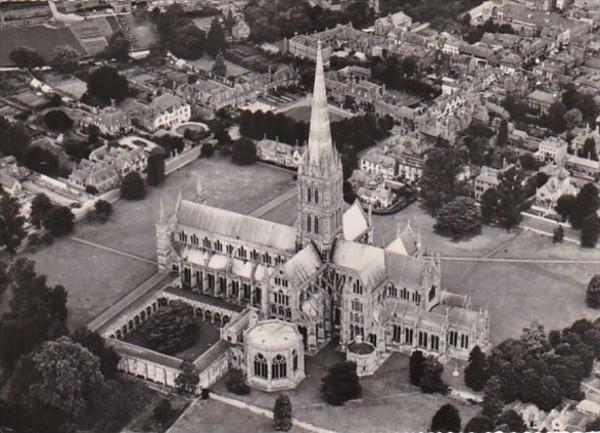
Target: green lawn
301,113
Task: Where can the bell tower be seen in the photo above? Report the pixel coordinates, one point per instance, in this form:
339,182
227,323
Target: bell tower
320,176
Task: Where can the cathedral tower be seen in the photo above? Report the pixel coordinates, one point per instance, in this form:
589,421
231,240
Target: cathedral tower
320,177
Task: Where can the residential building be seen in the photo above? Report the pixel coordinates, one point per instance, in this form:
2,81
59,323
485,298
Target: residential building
552,149
540,101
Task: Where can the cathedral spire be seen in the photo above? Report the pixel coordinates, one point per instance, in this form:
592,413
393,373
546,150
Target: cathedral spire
320,145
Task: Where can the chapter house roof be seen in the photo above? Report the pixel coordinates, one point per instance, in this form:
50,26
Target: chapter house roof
233,225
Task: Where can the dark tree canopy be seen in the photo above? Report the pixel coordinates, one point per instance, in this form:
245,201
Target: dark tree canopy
40,206
155,170
587,203
59,221
103,210
219,68
171,329
512,420
132,187
58,120
341,384
92,341
282,413
416,367
188,379
64,58
106,84
479,424
565,205
446,419
243,151
590,230
431,381
439,184
593,292
458,218
12,230
26,57
215,40
476,374
179,34
118,47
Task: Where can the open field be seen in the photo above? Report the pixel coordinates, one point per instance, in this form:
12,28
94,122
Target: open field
387,397
211,416
94,278
43,39
131,227
518,293
206,62
301,113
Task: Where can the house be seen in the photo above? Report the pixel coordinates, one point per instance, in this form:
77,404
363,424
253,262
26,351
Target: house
558,184
540,101
488,178
375,161
399,20
240,30
278,153
165,111
379,197
112,122
552,149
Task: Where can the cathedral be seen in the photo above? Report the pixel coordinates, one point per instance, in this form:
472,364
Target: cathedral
323,276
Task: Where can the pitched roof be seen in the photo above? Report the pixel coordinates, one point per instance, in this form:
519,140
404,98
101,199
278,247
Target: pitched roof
366,260
303,265
354,222
238,226
404,270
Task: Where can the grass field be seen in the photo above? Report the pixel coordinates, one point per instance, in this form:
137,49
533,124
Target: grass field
206,62
94,279
41,38
302,114
387,398
237,188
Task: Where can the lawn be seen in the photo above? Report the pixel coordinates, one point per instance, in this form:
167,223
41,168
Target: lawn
43,39
94,278
519,293
301,113
206,62
207,336
211,416
237,188
389,403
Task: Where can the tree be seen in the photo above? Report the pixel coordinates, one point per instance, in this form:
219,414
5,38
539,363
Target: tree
64,58
215,40
282,413
513,420
132,187
588,149
163,411
565,205
590,230
59,221
446,419
489,205
40,206
510,198
106,84
243,151
492,398
502,138
41,160
586,204
236,382
341,384
188,379
479,424
155,170
12,230
103,210
171,329
476,374
188,42
58,120
416,367
92,341
558,234
573,118
61,376
593,292
439,183
593,426
459,218
118,47
219,68
555,119
431,381
26,57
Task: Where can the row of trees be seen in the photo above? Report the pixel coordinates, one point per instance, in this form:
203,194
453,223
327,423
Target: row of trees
284,18
580,211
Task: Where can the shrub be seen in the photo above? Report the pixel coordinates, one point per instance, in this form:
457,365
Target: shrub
236,383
